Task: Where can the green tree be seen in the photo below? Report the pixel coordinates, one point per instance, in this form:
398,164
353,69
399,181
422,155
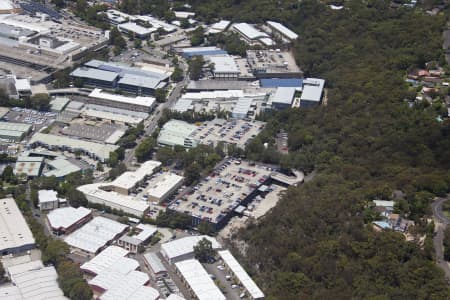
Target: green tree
40,102
195,67
197,36
160,95
192,173
177,74
8,173
55,251
145,149
204,251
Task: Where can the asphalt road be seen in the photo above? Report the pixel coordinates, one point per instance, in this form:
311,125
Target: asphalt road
152,122
441,222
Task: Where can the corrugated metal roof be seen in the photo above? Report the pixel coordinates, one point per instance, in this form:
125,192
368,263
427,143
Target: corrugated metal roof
94,74
283,30
281,82
284,95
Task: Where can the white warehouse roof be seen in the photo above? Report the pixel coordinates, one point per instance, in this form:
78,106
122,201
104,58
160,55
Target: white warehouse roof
146,232
199,281
283,30
284,95
33,281
113,199
14,230
164,184
111,259
185,246
135,28
139,100
129,179
241,275
95,234
224,64
154,262
65,217
249,31
47,196
312,89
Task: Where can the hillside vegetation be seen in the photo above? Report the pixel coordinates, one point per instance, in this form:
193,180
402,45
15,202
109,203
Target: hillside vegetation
365,144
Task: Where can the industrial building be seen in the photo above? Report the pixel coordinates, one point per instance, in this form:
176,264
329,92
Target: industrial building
48,200
93,149
182,249
117,115
35,47
282,98
60,167
116,194
312,92
163,186
177,132
139,103
201,51
14,230
218,27
58,104
240,275
249,32
224,67
14,132
144,232
128,79
282,31
155,265
242,108
128,204
115,277
273,64
65,220
28,165
95,235
32,280
136,30
198,281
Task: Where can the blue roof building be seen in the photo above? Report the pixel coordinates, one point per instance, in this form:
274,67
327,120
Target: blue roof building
281,82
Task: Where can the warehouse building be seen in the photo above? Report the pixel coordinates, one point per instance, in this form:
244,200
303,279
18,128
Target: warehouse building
218,27
312,92
143,236
282,98
201,51
182,249
14,230
155,265
114,276
95,77
13,132
60,167
124,116
66,220
28,165
112,75
48,200
139,103
93,149
163,186
114,200
242,108
136,30
240,275
127,182
198,281
224,67
95,235
282,31
32,280
177,132
58,104
249,32
273,64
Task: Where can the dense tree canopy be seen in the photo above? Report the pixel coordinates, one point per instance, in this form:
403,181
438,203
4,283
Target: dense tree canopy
365,143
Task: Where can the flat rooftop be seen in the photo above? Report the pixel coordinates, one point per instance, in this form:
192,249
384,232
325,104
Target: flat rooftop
14,230
272,61
223,190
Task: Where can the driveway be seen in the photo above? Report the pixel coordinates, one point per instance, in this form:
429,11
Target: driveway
441,222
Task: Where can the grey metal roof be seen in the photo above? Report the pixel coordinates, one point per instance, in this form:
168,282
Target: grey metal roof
94,74
140,81
284,95
312,89
154,262
242,106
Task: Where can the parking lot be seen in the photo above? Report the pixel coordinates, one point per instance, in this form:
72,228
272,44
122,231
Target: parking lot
223,190
38,119
237,132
